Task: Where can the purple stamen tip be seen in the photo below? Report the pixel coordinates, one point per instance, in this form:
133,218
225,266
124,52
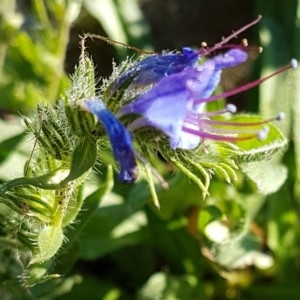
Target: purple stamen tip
231,108
294,64
280,116
263,133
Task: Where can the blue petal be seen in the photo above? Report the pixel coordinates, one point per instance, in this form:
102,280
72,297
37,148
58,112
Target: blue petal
152,68
209,73
166,105
230,59
120,139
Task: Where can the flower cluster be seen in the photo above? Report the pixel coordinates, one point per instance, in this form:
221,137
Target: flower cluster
171,93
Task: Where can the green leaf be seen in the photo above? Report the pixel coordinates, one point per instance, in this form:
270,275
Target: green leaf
49,241
267,176
240,252
83,159
283,225
169,287
255,149
91,205
7,146
112,227
208,214
77,287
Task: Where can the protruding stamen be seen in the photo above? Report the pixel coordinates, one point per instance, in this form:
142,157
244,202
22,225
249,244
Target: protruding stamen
280,116
226,130
230,37
204,45
245,42
293,64
242,47
229,131
231,108
223,138
263,133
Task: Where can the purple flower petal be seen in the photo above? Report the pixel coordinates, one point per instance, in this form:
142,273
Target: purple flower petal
167,104
152,68
120,139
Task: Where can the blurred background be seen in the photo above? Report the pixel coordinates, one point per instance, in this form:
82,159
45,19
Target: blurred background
130,251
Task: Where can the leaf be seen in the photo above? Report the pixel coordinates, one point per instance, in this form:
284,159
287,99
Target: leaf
254,149
241,252
267,176
283,225
75,287
70,252
168,287
49,241
110,229
83,159
7,146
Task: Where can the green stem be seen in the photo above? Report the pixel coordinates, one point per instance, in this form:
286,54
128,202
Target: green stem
43,182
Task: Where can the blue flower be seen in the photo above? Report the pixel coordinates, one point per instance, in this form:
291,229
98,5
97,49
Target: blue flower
175,104
120,139
155,67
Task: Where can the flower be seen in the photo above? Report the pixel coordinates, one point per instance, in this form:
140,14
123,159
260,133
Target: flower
120,139
175,105
175,88
154,67
170,105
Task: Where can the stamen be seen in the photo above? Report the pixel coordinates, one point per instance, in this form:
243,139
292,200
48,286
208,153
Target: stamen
204,45
293,64
279,117
230,37
207,129
245,42
263,133
260,134
242,47
231,108
228,131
